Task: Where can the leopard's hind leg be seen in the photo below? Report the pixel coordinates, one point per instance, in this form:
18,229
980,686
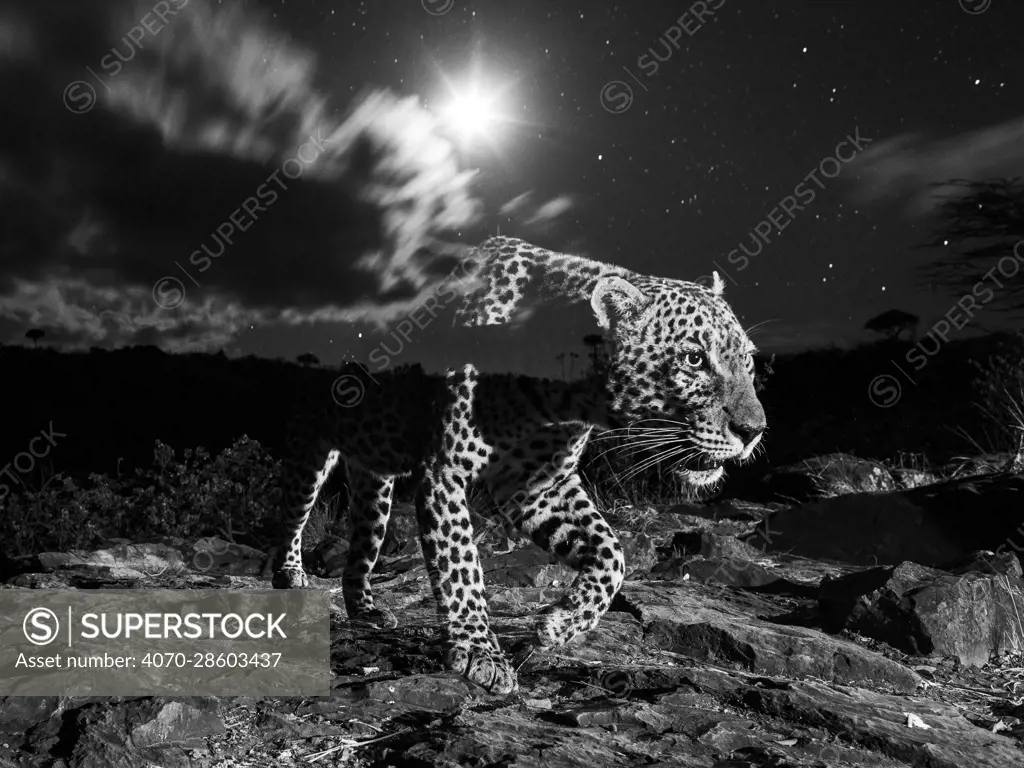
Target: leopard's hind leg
370,508
303,473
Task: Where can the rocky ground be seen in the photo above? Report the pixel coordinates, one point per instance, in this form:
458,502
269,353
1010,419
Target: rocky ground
878,627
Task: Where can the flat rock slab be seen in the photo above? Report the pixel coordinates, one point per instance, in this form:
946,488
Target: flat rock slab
883,724
115,732
921,611
685,621
433,693
517,737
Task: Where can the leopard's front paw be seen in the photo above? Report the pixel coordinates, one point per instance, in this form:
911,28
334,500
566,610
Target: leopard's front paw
290,577
485,666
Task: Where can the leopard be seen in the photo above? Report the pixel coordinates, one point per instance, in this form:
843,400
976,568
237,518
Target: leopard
679,385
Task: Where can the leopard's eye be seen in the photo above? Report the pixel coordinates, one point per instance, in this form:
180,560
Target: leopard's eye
694,359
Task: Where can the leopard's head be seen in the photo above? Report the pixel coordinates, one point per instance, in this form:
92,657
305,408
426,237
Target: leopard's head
681,373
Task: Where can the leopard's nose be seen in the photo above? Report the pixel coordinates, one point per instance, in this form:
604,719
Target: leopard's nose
747,431
746,420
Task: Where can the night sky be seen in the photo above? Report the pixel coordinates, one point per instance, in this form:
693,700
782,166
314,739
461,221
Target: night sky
654,135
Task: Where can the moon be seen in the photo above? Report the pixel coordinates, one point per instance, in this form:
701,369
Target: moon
473,108
471,115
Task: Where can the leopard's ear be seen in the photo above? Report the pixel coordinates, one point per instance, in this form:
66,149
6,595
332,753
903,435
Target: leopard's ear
625,300
717,284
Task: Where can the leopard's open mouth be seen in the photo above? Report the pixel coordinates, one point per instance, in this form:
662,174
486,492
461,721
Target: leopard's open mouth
702,476
700,469
703,470
704,463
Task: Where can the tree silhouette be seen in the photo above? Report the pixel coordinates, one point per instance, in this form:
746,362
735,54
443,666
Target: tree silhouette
598,351
35,334
307,359
892,323
981,227
573,357
560,357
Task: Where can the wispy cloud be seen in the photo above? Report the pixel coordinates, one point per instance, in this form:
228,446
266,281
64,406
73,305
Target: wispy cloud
527,215
787,337
906,167
550,211
102,204
515,205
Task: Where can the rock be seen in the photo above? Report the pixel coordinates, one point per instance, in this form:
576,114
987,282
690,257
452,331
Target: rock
640,551
693,623
286,725
527,568
329,557
879,722
402,528
714,546
986,561
913,478
20,713
727,736
834,474
922,611
681,674
727,517
133,562
178,723
121,561
124,732
729,573
931,525
710,557
436,693
213,555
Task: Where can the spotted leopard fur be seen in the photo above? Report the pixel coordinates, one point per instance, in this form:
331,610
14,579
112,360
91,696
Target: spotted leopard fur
680,379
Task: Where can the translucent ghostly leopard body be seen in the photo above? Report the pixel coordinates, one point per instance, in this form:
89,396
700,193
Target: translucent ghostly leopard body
681,376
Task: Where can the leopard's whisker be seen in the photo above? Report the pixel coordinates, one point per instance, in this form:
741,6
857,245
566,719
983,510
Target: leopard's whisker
636,446
625,434
633,449
658,458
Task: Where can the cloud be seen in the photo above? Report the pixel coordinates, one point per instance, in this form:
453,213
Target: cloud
906,167
785,337
17,38
539,217
549,211
209,157
516,204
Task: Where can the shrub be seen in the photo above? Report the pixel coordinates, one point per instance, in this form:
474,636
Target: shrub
999,394
230,495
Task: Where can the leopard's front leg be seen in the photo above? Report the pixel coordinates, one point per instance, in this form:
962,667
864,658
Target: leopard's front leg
455,460
446,534
542,493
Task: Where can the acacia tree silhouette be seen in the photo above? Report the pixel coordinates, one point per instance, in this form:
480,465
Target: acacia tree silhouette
892,323
560,357
573,357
